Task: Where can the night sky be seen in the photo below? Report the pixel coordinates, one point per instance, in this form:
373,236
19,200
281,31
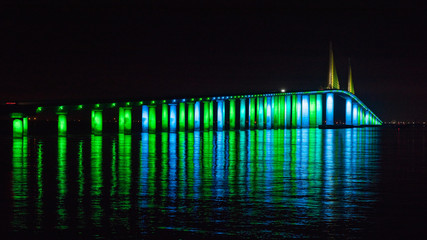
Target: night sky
118,51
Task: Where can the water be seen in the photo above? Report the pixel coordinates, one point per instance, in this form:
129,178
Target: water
270,184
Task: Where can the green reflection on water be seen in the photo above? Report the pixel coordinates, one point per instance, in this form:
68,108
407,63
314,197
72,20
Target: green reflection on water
167,178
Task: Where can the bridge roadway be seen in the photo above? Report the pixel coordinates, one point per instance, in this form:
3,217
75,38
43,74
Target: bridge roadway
256,111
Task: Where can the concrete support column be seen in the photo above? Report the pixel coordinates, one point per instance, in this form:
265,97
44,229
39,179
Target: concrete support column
305,111
276,112
354,115
242,114
329,109
190,121
125,120
220,115
62,124
319,109
211,115
288,111
294,111
260,123
206,120
269,114
145,118
165,117
232,120
97,122
252,113
313,111
181,117
172,117
19,125
197,116
298,110
152,119
348,110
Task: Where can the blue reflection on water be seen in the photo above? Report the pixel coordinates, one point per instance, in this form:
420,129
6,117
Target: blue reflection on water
242,183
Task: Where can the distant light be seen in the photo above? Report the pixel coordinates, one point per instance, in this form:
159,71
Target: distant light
283,90
10,103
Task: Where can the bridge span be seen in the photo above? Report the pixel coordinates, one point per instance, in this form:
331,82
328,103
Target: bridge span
281,110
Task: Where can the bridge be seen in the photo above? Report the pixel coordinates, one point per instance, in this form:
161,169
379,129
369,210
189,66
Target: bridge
308,109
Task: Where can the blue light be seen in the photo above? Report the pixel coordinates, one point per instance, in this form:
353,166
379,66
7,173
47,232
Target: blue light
298,111
220,116
144,118
355,111
197,116
268,124
348,112
172,118
329,109
305,113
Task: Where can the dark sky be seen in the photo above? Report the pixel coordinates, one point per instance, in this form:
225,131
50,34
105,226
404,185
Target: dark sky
119,51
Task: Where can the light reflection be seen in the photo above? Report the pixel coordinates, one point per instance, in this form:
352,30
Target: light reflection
312,174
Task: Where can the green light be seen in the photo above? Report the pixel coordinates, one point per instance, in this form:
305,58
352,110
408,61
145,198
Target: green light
165,117
313,111
232,114
164,101
252,113
211,115
128,104
121,120
97,122
206,116
113,104
127,120
80,107
62,180
153,102
96,177
96,105
62,125
39,109
140,103
181,117
17,128
25,126
294,111
152,119
190,123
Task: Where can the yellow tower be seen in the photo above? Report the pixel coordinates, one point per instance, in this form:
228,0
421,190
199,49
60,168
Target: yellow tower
350,79
332,77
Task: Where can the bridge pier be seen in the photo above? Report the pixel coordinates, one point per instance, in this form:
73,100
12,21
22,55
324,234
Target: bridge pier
197,116
172,117
165,117
242,124
232,117
152,118
319,109
19,125
145,118
181,118
288,110
190,117
329,109
62,124
354,115
260,123
125,120
305,120
206,111
97,122
268,115
220,115
348,110
312,110
252,116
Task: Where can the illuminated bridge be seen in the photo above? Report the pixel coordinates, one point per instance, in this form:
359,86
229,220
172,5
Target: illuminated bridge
310,109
